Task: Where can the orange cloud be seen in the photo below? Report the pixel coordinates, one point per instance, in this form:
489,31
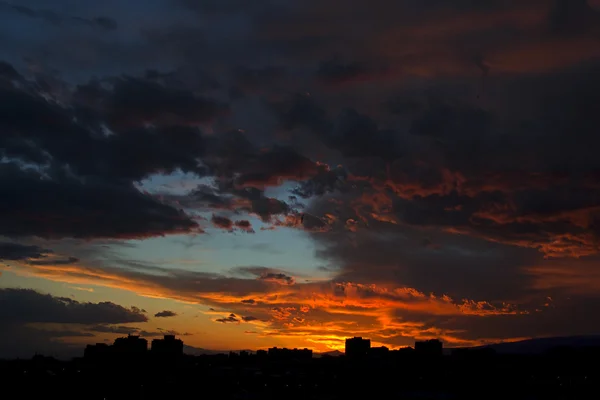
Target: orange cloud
574,278
448,43
319,314
491,220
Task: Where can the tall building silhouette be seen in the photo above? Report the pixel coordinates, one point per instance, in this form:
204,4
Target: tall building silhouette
432,347
130,345
284,354
168,346
357,347
98,351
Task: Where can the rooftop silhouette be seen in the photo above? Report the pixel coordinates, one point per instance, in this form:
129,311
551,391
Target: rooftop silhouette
128,369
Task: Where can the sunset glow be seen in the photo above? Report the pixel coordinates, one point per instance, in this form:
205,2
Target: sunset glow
293,173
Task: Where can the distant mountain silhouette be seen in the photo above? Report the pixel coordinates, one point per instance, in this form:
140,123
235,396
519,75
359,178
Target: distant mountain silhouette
198,351
529,346
334,353
541,345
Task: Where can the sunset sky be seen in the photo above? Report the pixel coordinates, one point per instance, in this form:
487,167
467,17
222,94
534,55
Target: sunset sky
257,173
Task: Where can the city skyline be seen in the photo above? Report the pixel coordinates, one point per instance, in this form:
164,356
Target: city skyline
292,173
128,369
135,341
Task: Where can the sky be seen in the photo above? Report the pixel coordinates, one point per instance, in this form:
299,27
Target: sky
249,174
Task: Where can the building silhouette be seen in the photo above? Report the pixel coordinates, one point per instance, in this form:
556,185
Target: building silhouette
284,354
378,352
168,346
261,354
98,351
557,374
357,347
130,345
431,348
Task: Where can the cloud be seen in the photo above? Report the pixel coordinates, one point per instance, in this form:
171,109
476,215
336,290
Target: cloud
231,318
28,306
336,72
442,161
272,167
166,313
127,330
235,319
244,225
32,254
49,16
122,211
117,329
267,274
34,322
163,332
287,310
222,222
16,251
132,101
82,149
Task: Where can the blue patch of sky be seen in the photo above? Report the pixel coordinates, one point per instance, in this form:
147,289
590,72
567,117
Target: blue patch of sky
219,251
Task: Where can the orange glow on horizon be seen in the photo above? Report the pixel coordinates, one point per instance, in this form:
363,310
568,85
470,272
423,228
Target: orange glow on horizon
318,315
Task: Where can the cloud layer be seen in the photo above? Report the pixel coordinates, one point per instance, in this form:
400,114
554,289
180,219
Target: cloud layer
441,156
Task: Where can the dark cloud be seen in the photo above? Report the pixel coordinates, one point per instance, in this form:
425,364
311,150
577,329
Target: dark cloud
138,310
437,147
266,207
221,222
18,341
166,313
286,309
32,255
266,274
20,306
162,332
129,102
85,147
66,261
20,252
572,17
127,330
235,319
52,17
231,318
7,71
327,180
39,206
116,329
34,322
244,225
253,80
302,111
224,6
552,321
227,224
277,277
352,134
79,162
172,280
248,200
271,167
335,72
